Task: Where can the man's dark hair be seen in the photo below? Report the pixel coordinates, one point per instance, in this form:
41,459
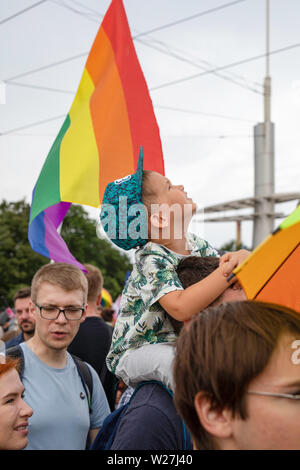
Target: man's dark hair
195,268
191,270
22,293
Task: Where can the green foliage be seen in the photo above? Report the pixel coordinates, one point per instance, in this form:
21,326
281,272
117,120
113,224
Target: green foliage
233,246
18,262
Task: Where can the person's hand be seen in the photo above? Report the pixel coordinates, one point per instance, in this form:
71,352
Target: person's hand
231,260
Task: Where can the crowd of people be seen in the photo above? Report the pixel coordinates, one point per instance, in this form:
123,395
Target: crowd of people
188,364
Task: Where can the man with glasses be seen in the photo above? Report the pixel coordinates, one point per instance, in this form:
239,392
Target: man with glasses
25,317
62,417
237,377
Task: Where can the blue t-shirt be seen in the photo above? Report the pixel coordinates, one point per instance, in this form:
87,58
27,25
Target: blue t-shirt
61,418
15,341
151,422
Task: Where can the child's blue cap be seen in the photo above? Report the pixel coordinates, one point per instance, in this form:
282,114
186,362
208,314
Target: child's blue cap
123,214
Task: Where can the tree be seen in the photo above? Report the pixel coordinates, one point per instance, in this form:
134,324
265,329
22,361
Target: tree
18,262
233,246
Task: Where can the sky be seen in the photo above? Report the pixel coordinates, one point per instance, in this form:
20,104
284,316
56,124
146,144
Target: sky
206,123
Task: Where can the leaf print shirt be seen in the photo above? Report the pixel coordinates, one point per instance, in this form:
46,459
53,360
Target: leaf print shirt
141,319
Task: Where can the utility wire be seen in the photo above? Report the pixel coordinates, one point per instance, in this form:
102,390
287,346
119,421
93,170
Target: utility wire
78,12
190,111
45,67
21,12
183,20
183,55
190,62
32,125
168,52
37,87
95,12
233,64
168,108
174,55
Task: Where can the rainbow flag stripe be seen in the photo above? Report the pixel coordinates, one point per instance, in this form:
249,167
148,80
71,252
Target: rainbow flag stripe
110,118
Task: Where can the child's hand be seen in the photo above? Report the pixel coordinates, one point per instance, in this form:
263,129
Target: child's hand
231,260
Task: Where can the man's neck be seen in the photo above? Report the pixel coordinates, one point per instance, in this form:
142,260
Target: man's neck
91,310
56,358
27,336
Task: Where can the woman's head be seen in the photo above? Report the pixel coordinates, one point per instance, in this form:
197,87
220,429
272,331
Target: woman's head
14,412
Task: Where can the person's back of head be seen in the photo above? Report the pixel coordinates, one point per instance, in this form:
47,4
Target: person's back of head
22,293
95,283
191,270
63,275
107,314
225,351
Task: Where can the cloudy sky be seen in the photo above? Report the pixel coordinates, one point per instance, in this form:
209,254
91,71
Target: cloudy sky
206,122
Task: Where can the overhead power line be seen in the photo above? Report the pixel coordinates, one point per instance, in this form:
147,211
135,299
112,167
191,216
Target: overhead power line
32,125
21,12
78,12
45,67
37,87
167,50
205,68
202,113
224,67
161,44
192,17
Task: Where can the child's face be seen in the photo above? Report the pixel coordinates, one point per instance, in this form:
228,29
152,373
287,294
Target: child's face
166,193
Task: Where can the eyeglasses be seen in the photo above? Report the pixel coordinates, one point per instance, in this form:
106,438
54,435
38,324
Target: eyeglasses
52,313
279,395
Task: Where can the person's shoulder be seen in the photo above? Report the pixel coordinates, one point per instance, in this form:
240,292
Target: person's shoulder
14,341
150,421
95,321
152,395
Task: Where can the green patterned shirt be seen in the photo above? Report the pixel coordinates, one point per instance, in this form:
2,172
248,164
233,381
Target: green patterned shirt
141,319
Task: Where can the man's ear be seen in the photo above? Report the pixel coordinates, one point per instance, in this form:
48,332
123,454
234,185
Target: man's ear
31,306
84,315
215,422
98,301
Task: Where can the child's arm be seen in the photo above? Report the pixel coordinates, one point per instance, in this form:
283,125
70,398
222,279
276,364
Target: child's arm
182,305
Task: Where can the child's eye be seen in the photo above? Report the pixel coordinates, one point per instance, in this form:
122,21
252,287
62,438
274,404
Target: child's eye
11,400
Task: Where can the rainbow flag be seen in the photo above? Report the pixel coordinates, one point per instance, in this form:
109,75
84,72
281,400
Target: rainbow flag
110,118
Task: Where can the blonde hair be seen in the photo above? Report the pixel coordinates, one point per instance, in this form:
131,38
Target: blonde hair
63,275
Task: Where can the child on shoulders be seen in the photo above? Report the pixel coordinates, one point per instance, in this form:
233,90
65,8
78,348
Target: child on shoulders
155,222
